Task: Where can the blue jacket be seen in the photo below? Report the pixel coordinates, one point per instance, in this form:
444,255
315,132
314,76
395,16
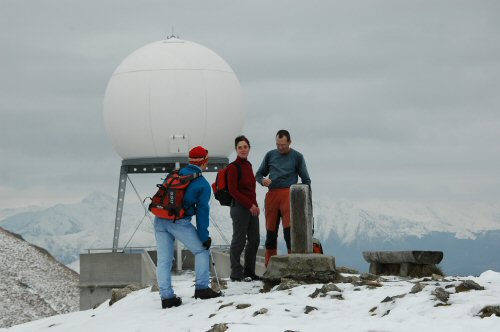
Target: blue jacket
196,201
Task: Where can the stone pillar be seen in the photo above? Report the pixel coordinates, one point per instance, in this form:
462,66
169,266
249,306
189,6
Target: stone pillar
301,219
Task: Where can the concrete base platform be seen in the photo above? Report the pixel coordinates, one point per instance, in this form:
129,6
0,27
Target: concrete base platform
307,268
101,272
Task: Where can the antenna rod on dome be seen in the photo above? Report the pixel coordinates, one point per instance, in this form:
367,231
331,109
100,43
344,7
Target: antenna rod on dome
172,35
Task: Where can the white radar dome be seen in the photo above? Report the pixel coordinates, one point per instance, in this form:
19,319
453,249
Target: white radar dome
170,96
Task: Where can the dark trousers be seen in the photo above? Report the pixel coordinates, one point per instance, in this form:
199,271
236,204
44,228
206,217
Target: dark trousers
245,236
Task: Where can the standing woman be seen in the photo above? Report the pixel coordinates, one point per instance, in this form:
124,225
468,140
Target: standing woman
244,213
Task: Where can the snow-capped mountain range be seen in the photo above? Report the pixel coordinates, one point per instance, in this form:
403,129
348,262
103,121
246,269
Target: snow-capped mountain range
346,228
393,220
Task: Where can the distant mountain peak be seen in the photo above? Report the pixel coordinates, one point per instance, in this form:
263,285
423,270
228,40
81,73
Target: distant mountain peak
98,198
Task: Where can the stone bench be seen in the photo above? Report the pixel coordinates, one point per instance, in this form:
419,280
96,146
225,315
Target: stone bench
413,263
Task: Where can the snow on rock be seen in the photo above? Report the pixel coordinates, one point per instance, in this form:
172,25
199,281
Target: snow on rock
33,284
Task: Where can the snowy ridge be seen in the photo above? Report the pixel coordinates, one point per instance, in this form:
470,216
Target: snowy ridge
66,229
393,220
5,213
244,309
33,284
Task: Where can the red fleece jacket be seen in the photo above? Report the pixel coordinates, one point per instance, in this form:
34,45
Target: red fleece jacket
243,191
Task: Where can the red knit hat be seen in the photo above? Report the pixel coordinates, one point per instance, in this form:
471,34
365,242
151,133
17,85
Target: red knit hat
198,155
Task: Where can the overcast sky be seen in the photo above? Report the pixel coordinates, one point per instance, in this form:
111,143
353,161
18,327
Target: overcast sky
386,99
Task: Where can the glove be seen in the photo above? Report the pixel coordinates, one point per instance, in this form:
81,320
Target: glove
207,243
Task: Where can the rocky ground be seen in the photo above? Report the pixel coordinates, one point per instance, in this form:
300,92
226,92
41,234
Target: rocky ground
33,284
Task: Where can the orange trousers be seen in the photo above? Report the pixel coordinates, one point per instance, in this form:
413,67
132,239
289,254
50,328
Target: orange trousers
277,206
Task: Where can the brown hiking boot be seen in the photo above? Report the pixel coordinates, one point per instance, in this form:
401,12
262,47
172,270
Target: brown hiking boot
206,293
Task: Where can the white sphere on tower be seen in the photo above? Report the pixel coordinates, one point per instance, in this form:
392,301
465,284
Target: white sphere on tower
169,96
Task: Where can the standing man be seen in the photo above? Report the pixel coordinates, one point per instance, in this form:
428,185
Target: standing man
283,166
197,240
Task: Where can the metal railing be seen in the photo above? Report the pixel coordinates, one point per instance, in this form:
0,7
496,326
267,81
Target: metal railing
119,250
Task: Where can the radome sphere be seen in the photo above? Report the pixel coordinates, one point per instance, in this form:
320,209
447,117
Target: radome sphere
169,96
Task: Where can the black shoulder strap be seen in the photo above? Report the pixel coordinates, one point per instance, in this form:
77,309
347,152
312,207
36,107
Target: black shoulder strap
193,176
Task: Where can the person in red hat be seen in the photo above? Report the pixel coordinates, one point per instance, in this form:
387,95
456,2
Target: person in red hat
283,165
196,239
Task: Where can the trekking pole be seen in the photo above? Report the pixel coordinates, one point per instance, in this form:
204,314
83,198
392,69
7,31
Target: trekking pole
215,270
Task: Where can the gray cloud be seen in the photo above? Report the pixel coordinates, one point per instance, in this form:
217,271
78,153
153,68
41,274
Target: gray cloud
386,99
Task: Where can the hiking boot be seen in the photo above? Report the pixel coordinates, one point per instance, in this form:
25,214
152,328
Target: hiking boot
169,303
245,279
253,277
206,293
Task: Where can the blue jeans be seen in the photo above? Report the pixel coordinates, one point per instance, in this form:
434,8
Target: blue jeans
166,231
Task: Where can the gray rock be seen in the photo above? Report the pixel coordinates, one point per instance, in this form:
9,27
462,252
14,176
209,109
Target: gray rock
489,310
287,283
343,269
331,287
215,285
368,276
441,304
441,294
348,279
437,277
371,284
315,293
226,305
308,309
119,293
260,312
468,285
417,288
221,327
243,306
387,299
393,298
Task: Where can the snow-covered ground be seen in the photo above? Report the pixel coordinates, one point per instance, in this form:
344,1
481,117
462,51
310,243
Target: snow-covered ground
359,308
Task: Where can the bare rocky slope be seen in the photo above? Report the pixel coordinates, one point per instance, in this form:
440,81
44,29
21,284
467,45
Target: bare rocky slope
33,284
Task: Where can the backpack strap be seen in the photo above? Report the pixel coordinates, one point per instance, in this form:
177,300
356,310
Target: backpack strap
238,167
190,178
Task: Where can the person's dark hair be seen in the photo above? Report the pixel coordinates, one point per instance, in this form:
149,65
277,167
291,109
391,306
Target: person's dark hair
283,133
239,139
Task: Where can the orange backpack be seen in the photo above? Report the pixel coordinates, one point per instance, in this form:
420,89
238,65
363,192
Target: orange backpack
167,203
